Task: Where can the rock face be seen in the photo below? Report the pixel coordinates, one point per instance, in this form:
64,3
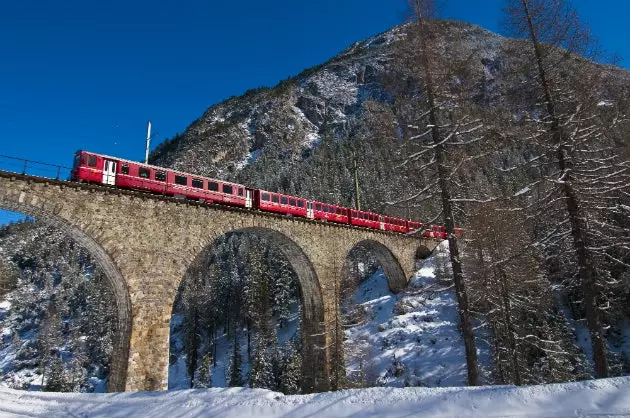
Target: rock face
294,114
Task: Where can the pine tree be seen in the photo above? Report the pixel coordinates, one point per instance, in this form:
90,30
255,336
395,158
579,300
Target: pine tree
234,373
291,374
56,378
261,372
192,326
204,372
49,340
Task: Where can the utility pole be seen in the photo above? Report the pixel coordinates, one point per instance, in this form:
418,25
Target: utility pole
146,153
357,203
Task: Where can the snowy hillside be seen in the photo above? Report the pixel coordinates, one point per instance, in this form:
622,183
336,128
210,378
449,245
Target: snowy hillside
602,398
409,339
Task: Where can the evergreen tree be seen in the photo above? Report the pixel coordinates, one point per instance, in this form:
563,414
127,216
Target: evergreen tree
234,373
204,372
261,372
56,378
291,373
49,341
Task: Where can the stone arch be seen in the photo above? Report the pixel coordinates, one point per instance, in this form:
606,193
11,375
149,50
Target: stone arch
122,334
422,253
396,278
314,364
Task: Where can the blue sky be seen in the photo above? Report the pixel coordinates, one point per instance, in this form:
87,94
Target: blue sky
81,74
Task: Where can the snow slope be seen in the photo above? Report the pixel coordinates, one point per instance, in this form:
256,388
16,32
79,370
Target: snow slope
409,339
601,398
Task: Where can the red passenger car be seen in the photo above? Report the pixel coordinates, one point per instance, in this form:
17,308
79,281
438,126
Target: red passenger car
394,224
436,231
276,202
331,213
94,168
366,219
414,226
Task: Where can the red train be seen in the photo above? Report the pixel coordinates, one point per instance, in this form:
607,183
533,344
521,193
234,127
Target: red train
95,168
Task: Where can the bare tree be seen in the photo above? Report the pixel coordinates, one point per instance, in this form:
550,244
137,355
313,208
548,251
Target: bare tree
429,123
577,171
509,287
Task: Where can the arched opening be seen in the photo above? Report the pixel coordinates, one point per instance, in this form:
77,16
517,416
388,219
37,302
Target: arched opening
422,253
372,255
242,292
95,282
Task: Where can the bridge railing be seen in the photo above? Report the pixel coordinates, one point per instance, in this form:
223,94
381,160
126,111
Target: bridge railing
34,168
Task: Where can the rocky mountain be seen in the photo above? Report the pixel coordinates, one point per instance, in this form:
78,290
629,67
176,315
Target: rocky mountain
276,138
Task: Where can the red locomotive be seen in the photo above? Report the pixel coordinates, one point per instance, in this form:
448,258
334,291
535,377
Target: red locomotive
95,168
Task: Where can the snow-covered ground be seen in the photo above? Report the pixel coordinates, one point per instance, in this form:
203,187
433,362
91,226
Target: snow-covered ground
409,339
601,398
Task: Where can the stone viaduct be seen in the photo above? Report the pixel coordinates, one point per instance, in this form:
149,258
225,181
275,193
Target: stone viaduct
146,243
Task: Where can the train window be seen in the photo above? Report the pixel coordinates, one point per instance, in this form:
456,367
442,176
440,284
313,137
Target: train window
284,200
213,186
292,202
275,198
318,206
145,173
160,176
124,169
196,183
300,203
227,189
325,208
240,191
92,160
338,211
181,180
265,196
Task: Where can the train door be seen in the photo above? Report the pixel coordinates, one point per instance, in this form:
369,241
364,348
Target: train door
309,210
109,172
382,224
249,198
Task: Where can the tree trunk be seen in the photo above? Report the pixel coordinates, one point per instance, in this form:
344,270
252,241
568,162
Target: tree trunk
507,312
447,208
586,270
